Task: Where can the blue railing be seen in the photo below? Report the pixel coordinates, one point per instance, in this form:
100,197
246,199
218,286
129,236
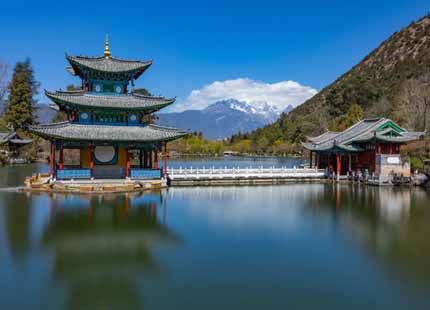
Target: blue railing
145,173
74,174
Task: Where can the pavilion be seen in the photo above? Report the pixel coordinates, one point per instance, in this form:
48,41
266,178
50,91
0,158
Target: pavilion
371,145
108,124
11,142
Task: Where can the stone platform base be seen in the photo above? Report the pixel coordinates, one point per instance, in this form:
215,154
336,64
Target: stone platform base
45,183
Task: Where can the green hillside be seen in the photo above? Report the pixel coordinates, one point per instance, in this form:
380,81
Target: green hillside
392,81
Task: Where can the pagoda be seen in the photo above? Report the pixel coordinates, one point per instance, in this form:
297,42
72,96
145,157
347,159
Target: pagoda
107,123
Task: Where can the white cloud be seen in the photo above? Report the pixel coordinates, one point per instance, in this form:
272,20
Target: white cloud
278,95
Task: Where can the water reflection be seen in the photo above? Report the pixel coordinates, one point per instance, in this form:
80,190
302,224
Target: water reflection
17,227
388,224
99,244
392,224
256,246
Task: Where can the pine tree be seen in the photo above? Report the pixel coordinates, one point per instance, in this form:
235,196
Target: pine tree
22,89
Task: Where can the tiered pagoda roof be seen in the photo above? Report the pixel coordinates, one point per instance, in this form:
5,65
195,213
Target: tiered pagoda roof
81,65
134,102
115,118
373,129
69,131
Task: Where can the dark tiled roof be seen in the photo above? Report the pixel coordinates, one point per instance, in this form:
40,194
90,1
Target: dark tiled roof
12,137
121,102
106,133
110,65
362,131
326,135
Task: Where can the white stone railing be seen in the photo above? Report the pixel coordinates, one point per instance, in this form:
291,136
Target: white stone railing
239,173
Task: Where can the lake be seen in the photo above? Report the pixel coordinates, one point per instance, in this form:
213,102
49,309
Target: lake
297,246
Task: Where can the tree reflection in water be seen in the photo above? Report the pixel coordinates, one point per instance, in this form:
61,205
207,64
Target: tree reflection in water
391,223
101,243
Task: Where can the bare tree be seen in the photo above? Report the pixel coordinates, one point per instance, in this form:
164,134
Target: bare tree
416,101
3,79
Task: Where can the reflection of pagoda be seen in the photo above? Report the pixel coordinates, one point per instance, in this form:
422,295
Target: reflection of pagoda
101,246
107,123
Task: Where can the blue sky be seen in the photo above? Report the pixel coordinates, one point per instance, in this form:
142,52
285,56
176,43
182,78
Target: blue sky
194,43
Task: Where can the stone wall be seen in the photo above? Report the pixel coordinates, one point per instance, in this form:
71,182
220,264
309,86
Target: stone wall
388,165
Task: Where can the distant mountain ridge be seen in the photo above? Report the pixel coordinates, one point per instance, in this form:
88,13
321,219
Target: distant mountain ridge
223,118
43,113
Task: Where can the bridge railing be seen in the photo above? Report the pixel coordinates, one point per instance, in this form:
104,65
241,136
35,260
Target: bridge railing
236,172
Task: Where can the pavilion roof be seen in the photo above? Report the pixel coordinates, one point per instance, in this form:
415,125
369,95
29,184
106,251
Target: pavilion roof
69,131
83,100
13,138
380,129
82,64
326,135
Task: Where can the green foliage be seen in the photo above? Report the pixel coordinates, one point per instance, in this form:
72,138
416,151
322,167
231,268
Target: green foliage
3,124
141,91
354,114
22,89
357,90
197,145
243,147
416,164
3,159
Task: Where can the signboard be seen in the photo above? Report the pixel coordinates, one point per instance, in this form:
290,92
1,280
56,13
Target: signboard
393,160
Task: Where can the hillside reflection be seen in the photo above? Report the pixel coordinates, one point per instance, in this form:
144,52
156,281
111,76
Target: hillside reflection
101,244
392,224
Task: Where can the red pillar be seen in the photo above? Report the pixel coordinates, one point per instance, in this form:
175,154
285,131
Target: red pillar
390,148
310,159
378,148
60,164
165,159
338,163
92,159
51,159
155,159
127,163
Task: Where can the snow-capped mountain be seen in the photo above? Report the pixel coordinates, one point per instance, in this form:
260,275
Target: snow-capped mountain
257,108
223,118
261,110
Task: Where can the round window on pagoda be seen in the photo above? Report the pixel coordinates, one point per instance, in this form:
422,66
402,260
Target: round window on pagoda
104,154
98,88
133,118
118,89
84,116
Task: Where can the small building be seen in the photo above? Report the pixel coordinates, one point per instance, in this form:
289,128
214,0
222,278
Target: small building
371,145
109,124
10,143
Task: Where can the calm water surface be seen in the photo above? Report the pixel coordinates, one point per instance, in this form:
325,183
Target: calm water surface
297,246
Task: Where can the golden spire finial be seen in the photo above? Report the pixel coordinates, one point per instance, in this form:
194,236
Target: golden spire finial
107,50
